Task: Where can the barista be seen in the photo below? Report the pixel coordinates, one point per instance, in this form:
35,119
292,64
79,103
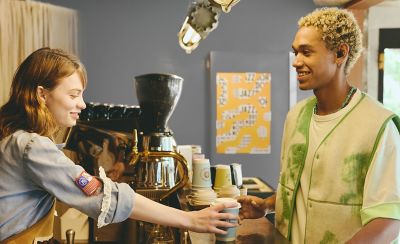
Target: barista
46,95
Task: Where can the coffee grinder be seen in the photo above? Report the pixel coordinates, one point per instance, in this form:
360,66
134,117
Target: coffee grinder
159,169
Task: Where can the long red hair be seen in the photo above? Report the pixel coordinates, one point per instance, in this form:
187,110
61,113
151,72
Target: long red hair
24,110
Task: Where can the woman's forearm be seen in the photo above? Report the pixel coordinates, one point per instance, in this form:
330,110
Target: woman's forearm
206,220
150,211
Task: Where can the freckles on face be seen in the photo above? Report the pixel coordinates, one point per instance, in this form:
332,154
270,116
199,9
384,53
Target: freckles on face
65,101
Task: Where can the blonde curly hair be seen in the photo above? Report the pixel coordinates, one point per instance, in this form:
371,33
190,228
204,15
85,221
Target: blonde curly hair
337,26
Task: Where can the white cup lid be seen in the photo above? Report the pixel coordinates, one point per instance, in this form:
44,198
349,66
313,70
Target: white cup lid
226,200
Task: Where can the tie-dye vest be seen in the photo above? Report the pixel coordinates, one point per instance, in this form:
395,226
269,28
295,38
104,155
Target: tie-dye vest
339,168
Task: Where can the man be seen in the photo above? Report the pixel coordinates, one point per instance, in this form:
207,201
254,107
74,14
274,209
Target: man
340,156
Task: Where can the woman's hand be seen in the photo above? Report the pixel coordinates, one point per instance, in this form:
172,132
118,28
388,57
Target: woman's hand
208,219
254,207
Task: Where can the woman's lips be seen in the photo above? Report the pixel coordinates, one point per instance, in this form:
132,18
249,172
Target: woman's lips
75,115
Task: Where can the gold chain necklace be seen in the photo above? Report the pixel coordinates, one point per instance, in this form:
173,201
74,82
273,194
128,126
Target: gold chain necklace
345,102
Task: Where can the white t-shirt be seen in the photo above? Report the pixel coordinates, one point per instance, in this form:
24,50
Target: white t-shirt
320,126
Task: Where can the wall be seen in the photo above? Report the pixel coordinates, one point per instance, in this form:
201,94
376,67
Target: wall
383,15
124,38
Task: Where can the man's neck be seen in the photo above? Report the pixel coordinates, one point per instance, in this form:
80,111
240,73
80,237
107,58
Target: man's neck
330,99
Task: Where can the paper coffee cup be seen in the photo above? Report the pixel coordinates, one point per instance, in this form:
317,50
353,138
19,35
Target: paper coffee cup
229,191
230,231
243,191
237,178
196,149
201,173
222,176
186,152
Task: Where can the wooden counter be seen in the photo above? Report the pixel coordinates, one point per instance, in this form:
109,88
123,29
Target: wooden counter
251,231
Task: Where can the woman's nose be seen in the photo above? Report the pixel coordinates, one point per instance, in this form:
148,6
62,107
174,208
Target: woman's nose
82,104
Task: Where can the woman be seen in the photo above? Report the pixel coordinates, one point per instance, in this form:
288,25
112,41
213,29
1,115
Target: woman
46,95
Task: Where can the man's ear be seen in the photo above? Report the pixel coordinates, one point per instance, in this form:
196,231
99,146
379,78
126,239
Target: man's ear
41,92
342,53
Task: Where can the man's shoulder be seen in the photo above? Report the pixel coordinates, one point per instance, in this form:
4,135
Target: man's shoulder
300,106
374,105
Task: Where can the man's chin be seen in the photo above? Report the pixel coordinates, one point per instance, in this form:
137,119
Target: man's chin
304,88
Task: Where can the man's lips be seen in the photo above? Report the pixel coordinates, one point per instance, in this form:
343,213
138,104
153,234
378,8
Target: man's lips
302,75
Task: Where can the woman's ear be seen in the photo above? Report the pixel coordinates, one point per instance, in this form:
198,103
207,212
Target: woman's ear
41,92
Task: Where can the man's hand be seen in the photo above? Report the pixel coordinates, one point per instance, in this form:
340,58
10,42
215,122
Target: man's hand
255,207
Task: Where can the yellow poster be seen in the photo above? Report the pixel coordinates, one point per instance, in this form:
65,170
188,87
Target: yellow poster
243,113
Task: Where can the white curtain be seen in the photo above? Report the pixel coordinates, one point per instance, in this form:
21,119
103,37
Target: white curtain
28,25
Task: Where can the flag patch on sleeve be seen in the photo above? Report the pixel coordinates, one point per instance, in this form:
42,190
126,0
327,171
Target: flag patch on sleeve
87,183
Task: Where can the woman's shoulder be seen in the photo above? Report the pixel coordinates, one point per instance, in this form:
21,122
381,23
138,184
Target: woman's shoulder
22,135
22,139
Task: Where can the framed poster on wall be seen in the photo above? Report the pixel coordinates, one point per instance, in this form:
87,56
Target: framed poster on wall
243,107
264,65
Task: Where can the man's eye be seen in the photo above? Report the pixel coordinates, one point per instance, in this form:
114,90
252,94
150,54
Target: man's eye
74,96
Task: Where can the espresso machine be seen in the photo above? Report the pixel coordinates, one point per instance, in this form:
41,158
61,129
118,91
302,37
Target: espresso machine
134,143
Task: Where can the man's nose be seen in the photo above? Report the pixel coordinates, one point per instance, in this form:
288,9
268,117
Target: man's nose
297,62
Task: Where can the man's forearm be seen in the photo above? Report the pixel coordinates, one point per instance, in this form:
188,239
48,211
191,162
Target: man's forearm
380,230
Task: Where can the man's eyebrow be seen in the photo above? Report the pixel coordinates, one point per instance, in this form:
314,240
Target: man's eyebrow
302,46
